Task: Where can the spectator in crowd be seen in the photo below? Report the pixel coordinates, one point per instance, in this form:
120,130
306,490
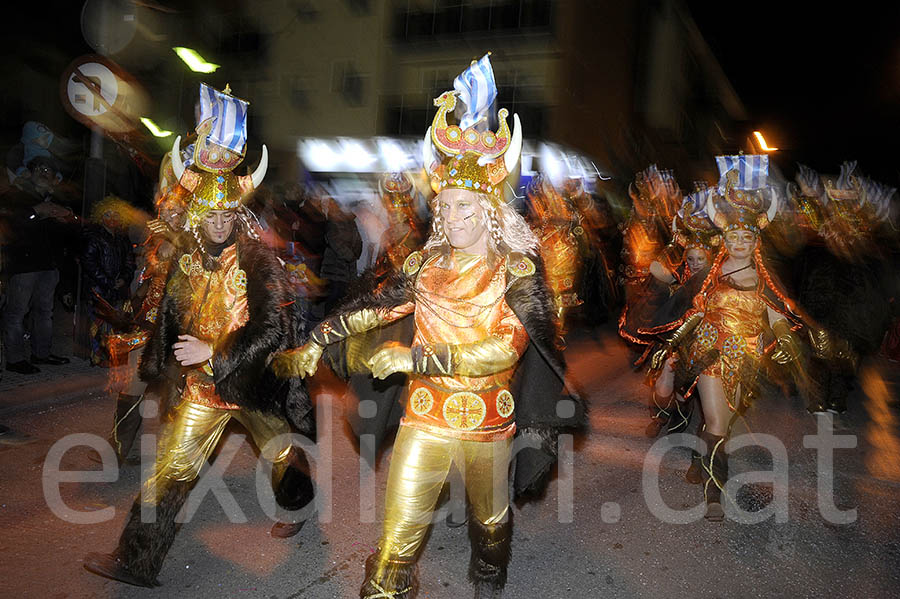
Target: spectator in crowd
35,222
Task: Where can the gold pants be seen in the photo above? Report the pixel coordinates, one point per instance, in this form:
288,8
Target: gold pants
190,438
419,466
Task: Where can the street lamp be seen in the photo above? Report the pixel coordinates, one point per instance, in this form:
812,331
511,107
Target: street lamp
194,61
762,142
154,128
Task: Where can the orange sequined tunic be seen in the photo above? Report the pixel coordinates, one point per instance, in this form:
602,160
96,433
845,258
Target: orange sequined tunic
559,252
733,321
218,306
461,299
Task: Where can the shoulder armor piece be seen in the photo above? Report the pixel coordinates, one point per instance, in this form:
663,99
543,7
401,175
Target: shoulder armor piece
520,265
185,263
412,264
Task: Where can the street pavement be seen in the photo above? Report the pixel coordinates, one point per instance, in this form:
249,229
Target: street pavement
608,544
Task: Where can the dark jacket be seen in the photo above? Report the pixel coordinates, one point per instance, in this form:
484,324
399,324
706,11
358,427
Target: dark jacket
105,258
241,365
30,243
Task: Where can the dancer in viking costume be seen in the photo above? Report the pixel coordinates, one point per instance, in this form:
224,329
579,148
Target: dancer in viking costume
227,307
479,359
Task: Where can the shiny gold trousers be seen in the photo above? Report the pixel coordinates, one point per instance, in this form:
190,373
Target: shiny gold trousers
419,466
190,438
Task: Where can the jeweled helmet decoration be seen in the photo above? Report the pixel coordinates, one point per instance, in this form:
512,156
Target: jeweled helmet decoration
219,149
470,157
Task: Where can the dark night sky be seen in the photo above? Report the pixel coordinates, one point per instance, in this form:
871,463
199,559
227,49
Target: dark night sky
822,81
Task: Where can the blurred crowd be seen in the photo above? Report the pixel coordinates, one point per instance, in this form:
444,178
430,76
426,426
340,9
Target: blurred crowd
604,246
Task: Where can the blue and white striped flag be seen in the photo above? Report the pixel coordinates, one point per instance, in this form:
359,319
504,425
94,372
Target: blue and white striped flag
477,89
753,169
229,116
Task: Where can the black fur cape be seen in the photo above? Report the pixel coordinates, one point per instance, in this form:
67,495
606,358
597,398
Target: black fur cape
544,408
241,365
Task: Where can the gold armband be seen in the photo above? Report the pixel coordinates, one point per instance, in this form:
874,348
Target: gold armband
332,330
481,358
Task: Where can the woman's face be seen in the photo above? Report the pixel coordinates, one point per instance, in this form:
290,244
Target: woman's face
463,220
696,259
740,243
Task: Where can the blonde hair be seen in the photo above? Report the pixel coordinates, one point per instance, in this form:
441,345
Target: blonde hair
508,231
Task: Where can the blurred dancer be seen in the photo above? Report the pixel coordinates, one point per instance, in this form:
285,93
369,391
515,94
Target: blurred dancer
404,233
125,347
558,225
738,309
108,265
655,198
674,291
226,308
481,315
843,278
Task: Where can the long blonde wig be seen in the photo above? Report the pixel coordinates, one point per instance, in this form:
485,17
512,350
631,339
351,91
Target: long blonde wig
508,231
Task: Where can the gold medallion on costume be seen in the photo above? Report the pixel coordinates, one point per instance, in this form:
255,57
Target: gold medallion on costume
464,411
421,401
412,264
184,263
521,266
505,404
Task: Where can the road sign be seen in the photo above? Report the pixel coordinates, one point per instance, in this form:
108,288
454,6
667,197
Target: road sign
97,92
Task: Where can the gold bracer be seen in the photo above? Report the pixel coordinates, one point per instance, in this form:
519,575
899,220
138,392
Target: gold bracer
332,330
675,340
301,361
787,346
481,358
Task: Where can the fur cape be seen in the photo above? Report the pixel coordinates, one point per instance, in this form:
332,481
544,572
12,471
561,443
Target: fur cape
544,408
241,365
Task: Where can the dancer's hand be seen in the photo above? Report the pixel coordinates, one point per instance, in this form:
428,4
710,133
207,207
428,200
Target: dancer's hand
190,350
303,361
821,342
659,357
787,346
390,359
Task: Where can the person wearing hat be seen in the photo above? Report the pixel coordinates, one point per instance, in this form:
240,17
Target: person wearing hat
739,316
227,307
33,215
478,356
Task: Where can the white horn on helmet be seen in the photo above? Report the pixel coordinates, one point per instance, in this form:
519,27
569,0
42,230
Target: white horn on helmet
773,205
427,152
260,173
512,154
177,164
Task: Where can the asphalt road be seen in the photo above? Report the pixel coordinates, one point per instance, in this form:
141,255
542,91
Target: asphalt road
606,542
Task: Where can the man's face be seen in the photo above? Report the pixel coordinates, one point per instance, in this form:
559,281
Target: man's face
740,243
217,225
43,177
463,220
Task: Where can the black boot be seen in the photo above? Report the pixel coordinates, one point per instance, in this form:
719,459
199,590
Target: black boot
715,475
694,474
389,578
491,551
294,490
143,545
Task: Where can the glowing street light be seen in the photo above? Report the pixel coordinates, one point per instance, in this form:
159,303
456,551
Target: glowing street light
194,61
762,142
154,128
